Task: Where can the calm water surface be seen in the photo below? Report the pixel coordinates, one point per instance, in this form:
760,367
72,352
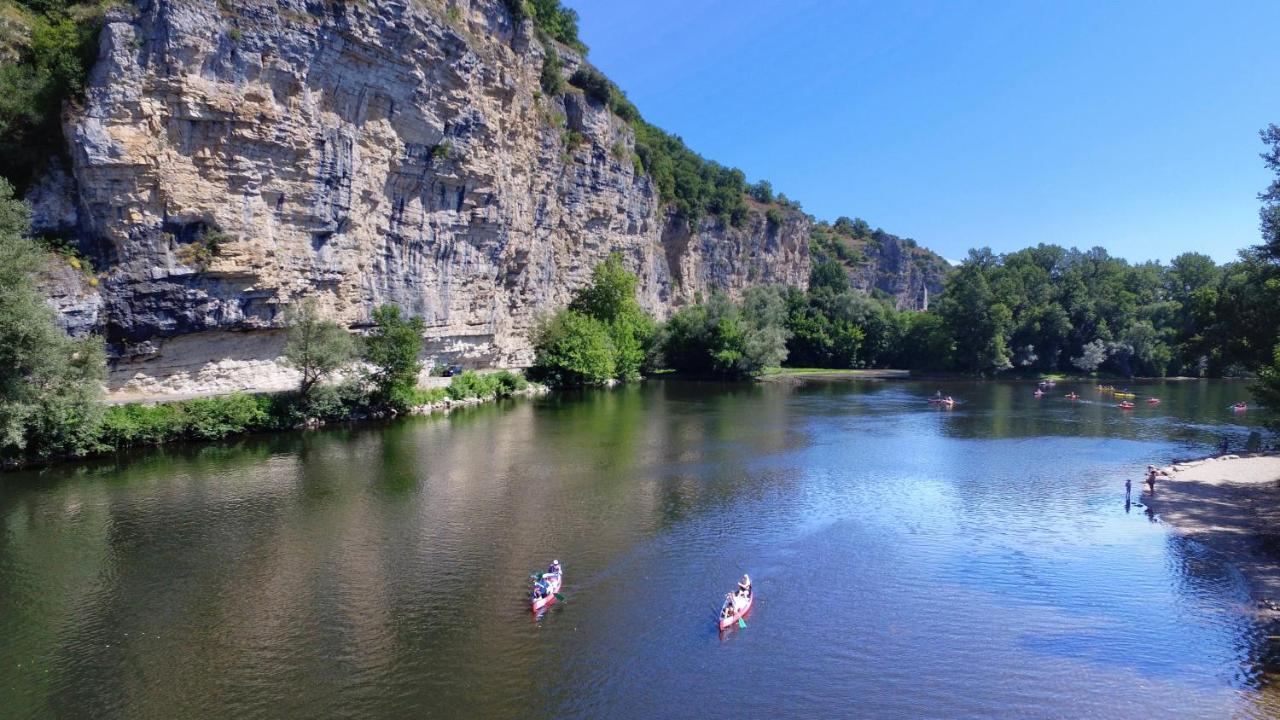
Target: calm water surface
910,562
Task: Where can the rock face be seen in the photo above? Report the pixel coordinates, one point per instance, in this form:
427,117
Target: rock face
231,158
907,272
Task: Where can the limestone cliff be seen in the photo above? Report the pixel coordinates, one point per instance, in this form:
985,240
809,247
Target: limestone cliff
232,157
880,263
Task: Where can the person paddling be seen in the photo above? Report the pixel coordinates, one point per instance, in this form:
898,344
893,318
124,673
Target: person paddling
744,585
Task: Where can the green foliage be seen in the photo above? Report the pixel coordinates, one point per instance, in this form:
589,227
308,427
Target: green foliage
392,348
611,299
762,191
209,418
718,338
694,186
603,334
572,350
1267,389
50,384
471,384
54,57
593,84
315,347
981,324
1270,212
557,21
551,79
442,151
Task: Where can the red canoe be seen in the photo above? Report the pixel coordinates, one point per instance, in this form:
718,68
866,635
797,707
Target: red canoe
1153,401
740,610
1125,406
1239,407
553,587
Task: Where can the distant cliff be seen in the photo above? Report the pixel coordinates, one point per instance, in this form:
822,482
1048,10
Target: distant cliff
880,263
230,158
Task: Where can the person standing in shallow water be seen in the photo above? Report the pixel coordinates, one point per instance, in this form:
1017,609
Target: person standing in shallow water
1151,479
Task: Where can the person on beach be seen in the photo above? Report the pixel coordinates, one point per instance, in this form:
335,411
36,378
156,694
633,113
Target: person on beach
1151,478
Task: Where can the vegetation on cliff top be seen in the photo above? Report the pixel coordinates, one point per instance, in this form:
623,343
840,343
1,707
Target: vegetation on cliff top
46,50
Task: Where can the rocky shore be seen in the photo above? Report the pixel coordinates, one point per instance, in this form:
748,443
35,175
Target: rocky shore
1231,504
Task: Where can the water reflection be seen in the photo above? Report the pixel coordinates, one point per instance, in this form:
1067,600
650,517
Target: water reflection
380,571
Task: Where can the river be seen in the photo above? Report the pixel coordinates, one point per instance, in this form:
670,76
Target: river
909,562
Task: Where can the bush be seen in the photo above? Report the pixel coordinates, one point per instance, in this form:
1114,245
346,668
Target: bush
128,425
392,348
593,84
200,419
607,307
573,349
551,80
720,339
551,19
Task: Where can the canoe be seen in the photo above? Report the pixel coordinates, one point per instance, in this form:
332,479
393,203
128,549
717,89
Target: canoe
1125,405
1153,401
1073,396
1239,407
553,586
1125,395
740,609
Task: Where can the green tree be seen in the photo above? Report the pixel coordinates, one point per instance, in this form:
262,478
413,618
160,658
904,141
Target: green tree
50,384
392,347
316,347
1270,213
981,324
573,349
611,300
717,338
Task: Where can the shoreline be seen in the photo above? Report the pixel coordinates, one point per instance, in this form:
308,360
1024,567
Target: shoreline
1231,505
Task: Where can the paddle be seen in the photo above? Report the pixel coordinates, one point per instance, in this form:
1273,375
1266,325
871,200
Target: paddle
559,597
742,623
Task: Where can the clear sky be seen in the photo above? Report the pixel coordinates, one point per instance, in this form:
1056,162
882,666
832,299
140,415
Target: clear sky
1130,125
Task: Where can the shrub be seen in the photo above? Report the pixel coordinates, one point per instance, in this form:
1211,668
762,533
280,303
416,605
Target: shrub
200,419
316,347
471,384
217,417
128,425
593,84
720,339
392,348
550,18
573,349
551,80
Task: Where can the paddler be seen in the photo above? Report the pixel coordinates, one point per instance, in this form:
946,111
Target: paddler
744,585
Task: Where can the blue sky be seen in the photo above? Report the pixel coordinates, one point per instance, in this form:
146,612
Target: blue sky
1130,125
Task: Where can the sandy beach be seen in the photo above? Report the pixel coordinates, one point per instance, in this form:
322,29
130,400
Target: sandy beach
1231,504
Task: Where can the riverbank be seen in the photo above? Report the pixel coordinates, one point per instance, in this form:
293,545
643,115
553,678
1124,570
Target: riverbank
131,425
1230,504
